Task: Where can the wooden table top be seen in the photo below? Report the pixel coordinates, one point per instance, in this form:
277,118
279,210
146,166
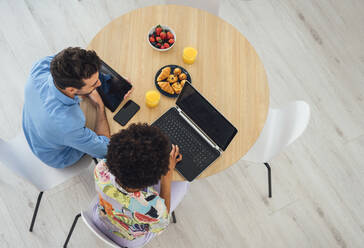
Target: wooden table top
227,71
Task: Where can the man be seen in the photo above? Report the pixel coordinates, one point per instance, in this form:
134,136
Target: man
53,122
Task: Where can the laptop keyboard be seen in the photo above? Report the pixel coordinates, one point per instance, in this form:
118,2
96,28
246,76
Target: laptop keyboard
188,140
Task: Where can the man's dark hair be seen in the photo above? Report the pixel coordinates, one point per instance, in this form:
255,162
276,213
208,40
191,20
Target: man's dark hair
138,156
73,64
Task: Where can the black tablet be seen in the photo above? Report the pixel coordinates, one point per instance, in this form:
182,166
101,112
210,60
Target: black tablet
113,87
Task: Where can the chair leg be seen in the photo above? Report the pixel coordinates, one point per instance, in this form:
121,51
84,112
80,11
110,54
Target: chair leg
95,160
174,217
269,180
36,211
71,230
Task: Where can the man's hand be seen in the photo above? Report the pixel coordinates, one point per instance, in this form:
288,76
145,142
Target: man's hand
127,95
174,157
96,99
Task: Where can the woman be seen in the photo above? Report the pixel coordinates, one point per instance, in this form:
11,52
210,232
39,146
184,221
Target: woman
130,211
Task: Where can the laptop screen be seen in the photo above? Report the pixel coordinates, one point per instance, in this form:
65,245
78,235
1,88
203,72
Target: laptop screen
214,124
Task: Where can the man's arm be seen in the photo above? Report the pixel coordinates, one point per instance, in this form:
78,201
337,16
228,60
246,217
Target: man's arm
87,141
102,126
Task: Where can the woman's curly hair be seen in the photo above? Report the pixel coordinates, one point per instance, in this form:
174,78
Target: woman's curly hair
138,156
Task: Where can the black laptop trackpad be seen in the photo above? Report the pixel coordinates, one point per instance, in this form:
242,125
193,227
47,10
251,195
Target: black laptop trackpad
186,168
186,165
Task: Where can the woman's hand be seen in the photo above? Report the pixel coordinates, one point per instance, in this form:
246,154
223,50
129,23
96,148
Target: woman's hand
174,157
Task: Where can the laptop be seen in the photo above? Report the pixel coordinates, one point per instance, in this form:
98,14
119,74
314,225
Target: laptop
201,132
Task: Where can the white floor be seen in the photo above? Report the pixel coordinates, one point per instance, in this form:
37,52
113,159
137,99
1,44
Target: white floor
312,50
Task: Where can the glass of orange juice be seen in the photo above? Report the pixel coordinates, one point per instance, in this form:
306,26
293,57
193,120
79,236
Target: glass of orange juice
152,98
189,55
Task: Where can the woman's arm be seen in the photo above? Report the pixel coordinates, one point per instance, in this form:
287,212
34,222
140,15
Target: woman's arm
166,180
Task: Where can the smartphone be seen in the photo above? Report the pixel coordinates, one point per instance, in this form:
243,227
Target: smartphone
126,112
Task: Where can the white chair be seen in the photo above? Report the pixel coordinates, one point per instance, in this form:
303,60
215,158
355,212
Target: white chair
17,156
211,6
283,126
87,218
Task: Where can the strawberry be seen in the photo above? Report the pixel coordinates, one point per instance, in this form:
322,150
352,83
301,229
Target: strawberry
159,45
158,39
170,35
171,41
158,29
166,45
163,35
151,39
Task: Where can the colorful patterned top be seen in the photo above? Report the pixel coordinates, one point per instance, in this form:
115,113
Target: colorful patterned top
128,215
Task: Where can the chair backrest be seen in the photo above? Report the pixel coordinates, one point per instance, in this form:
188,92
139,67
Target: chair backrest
211,6
18,157
283,126
87,218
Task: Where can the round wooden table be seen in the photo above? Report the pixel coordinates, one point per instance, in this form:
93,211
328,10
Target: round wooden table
227,71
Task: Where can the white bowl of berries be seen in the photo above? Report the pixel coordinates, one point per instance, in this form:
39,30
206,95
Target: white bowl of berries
161,38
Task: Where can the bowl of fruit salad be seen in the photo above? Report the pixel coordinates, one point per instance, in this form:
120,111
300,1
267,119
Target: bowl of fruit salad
161,38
